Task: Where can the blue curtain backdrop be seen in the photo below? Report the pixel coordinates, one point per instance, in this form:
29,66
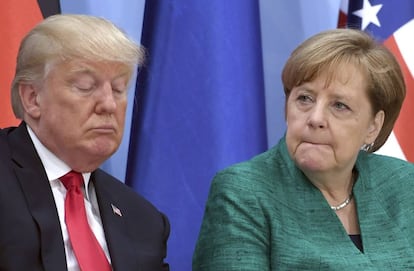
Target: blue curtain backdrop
200,107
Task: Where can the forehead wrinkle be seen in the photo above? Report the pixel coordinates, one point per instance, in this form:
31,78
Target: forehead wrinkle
307,86
84,68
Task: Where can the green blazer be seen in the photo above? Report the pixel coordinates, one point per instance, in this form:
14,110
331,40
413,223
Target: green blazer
264,214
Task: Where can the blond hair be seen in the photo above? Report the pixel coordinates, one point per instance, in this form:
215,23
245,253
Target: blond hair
67,36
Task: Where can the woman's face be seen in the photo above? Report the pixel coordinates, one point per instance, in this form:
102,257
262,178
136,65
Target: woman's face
328,124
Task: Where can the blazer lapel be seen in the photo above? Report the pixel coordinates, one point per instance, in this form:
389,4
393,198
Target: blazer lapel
114,224
36,188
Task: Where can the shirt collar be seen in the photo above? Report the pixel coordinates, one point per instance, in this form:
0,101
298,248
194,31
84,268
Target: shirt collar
54,166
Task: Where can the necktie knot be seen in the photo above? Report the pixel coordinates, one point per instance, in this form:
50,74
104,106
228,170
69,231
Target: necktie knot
72,180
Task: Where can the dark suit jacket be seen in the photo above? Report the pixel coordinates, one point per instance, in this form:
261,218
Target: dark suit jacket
30,234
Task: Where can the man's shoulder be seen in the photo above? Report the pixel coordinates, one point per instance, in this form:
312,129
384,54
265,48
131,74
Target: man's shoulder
7,133
103,179
121,192
3,133
4,142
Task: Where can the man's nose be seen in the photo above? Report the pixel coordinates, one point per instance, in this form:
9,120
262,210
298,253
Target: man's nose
105,99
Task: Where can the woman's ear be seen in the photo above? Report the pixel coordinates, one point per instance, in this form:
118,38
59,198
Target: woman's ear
30,99
375,127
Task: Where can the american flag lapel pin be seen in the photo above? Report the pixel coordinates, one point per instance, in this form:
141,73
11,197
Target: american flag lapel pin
116,210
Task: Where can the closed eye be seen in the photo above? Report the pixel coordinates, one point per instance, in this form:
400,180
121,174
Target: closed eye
119,90
85,89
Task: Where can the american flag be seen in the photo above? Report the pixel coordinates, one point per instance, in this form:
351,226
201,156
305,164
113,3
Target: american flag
392,23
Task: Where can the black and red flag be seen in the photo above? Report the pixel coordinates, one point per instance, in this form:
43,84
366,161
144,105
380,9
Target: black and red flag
16,19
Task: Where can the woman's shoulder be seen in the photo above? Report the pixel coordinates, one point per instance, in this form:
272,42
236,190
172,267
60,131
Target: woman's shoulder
386,165
264,171
260,164
384,171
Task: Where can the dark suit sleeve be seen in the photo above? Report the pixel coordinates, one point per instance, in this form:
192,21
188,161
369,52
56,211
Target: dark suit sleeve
165,266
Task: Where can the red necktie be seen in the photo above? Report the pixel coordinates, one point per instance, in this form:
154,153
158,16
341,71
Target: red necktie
87,250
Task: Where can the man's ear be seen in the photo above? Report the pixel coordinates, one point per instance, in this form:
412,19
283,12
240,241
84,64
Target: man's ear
30,99
375,127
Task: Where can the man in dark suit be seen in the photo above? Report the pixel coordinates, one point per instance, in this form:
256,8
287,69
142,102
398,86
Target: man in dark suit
70,92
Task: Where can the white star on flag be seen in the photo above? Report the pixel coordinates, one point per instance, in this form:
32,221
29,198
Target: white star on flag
368,14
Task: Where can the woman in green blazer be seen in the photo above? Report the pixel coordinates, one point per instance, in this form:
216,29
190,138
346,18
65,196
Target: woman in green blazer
320,199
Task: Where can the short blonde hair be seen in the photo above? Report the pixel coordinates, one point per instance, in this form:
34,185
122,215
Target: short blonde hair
328,50
68,36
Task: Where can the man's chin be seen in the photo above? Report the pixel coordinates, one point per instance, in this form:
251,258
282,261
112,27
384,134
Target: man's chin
103,149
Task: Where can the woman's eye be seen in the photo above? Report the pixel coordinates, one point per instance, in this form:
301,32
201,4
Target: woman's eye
305,98
341,106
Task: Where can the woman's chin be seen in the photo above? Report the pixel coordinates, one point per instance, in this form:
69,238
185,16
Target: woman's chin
311,164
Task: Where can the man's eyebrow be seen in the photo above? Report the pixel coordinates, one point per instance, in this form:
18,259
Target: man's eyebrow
81,69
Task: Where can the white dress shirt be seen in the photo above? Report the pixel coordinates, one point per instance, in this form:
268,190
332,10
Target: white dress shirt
56,168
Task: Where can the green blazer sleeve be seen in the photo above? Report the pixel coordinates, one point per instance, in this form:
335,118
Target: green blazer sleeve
234,232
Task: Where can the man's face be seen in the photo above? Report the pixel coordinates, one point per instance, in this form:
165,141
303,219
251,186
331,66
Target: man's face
82,111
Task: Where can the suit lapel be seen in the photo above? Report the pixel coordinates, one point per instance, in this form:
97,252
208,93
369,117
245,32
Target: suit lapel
116,233
36,188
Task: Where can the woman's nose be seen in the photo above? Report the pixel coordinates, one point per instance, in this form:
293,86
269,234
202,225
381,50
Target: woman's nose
318,116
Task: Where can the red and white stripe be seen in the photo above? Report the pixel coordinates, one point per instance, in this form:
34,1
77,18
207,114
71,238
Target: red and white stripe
402,44
343,12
